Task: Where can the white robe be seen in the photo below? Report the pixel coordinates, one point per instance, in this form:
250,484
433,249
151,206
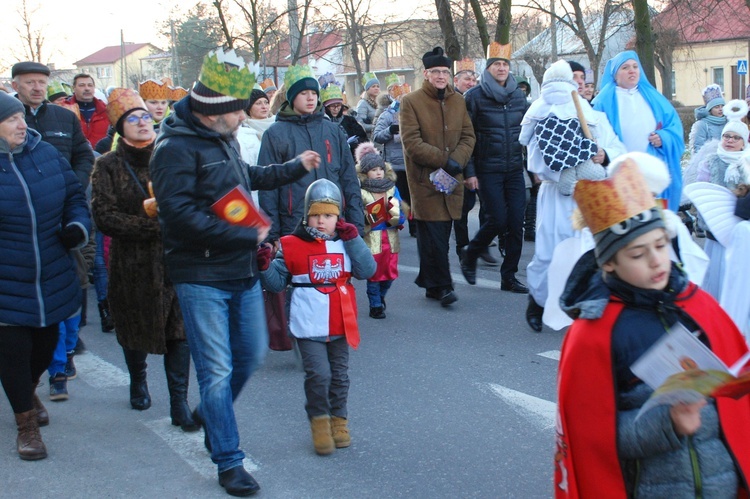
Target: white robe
553,224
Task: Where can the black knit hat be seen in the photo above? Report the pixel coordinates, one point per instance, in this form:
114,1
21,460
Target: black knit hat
575,66
436,58
27,67
205,101
255,95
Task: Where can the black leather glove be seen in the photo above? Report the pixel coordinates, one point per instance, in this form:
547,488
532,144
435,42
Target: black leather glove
453,168
71,236
393,129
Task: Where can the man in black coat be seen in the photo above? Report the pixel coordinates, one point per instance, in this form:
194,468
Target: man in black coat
496,107
57,125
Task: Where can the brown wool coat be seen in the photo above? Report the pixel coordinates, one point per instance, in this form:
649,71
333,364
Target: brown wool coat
432,131
142,301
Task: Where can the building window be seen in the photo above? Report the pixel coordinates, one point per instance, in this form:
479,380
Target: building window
674,84
718,77
361,53
104,72
394,48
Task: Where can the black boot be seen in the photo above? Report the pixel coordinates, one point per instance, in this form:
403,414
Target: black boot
108,325
534,313
139,396
177,367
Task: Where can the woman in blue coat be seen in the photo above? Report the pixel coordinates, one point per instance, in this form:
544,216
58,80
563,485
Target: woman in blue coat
43,215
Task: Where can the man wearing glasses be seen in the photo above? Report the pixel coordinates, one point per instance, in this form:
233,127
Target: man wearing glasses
436,133
496,107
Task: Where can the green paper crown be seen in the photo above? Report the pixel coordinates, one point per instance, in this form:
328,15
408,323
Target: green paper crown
56,87
392,79
226,73
297,73
367,77
332,91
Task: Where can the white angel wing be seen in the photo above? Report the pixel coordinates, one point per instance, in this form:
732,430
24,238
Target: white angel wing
716,205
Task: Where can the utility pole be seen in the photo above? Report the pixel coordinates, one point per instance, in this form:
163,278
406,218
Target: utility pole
176,73
553,29
123,66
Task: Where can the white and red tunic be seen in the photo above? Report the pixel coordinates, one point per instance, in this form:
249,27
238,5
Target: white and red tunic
321,273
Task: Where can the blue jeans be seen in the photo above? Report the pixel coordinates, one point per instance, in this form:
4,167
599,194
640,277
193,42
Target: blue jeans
376,291
100,269
228,339
66,343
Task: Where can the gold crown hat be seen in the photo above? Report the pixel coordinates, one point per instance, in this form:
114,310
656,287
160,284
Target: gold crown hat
153,90
465,64
268,85
497,50
617,209
224,84
177,93
120,102
400,90
391,80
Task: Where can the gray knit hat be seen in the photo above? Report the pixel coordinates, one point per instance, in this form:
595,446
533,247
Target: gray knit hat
368,157
611,240
9,106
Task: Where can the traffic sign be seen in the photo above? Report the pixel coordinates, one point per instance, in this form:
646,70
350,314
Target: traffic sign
742,67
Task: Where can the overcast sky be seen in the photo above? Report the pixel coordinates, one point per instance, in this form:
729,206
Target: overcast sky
75,28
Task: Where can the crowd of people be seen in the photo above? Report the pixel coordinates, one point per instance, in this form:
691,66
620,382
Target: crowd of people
122,193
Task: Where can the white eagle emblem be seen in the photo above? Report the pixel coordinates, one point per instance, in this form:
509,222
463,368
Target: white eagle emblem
326,272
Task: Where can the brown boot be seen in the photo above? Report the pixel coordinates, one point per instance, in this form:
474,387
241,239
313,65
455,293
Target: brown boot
321,435
29,442
340,432
42,416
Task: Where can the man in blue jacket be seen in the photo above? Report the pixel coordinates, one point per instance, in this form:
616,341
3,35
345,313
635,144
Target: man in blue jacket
212,262
496,107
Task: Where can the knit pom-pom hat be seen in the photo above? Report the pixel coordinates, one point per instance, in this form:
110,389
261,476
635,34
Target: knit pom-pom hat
368,157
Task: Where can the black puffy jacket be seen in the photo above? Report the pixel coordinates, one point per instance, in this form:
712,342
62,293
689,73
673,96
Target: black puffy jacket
496,112
191,168
62,128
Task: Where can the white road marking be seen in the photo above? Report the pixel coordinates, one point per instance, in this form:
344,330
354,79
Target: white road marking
457,278
99,373
189,446
538,411
551,354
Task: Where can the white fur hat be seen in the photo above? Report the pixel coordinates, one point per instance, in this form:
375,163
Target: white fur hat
559,71
735,110
653,169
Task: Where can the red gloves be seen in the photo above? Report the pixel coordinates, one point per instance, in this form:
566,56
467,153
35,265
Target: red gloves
346,230
264,257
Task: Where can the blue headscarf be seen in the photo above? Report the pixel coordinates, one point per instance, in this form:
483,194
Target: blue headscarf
671,131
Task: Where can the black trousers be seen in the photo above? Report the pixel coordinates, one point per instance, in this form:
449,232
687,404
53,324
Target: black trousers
461,227
25,352
504,198
433,243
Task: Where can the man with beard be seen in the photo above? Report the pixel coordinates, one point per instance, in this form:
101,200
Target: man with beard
212,262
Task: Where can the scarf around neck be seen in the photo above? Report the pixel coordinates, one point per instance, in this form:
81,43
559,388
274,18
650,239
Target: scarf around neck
377,185
498,92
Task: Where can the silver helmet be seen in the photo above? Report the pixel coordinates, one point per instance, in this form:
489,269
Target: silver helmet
322,191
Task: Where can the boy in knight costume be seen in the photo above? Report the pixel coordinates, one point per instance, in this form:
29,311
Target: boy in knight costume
624,295
319,259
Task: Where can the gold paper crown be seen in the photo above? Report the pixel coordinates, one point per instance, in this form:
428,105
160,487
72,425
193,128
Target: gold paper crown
605,203
497,51
153,90
177,93
227,73
167,81
122,100
465,64
400,90
267,83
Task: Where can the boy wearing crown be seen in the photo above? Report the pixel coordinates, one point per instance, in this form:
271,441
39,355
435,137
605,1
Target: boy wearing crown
624,295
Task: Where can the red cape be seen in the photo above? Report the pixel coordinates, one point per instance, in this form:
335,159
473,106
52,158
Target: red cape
586,462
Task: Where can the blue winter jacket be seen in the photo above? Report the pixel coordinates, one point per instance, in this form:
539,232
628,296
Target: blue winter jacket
39,195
